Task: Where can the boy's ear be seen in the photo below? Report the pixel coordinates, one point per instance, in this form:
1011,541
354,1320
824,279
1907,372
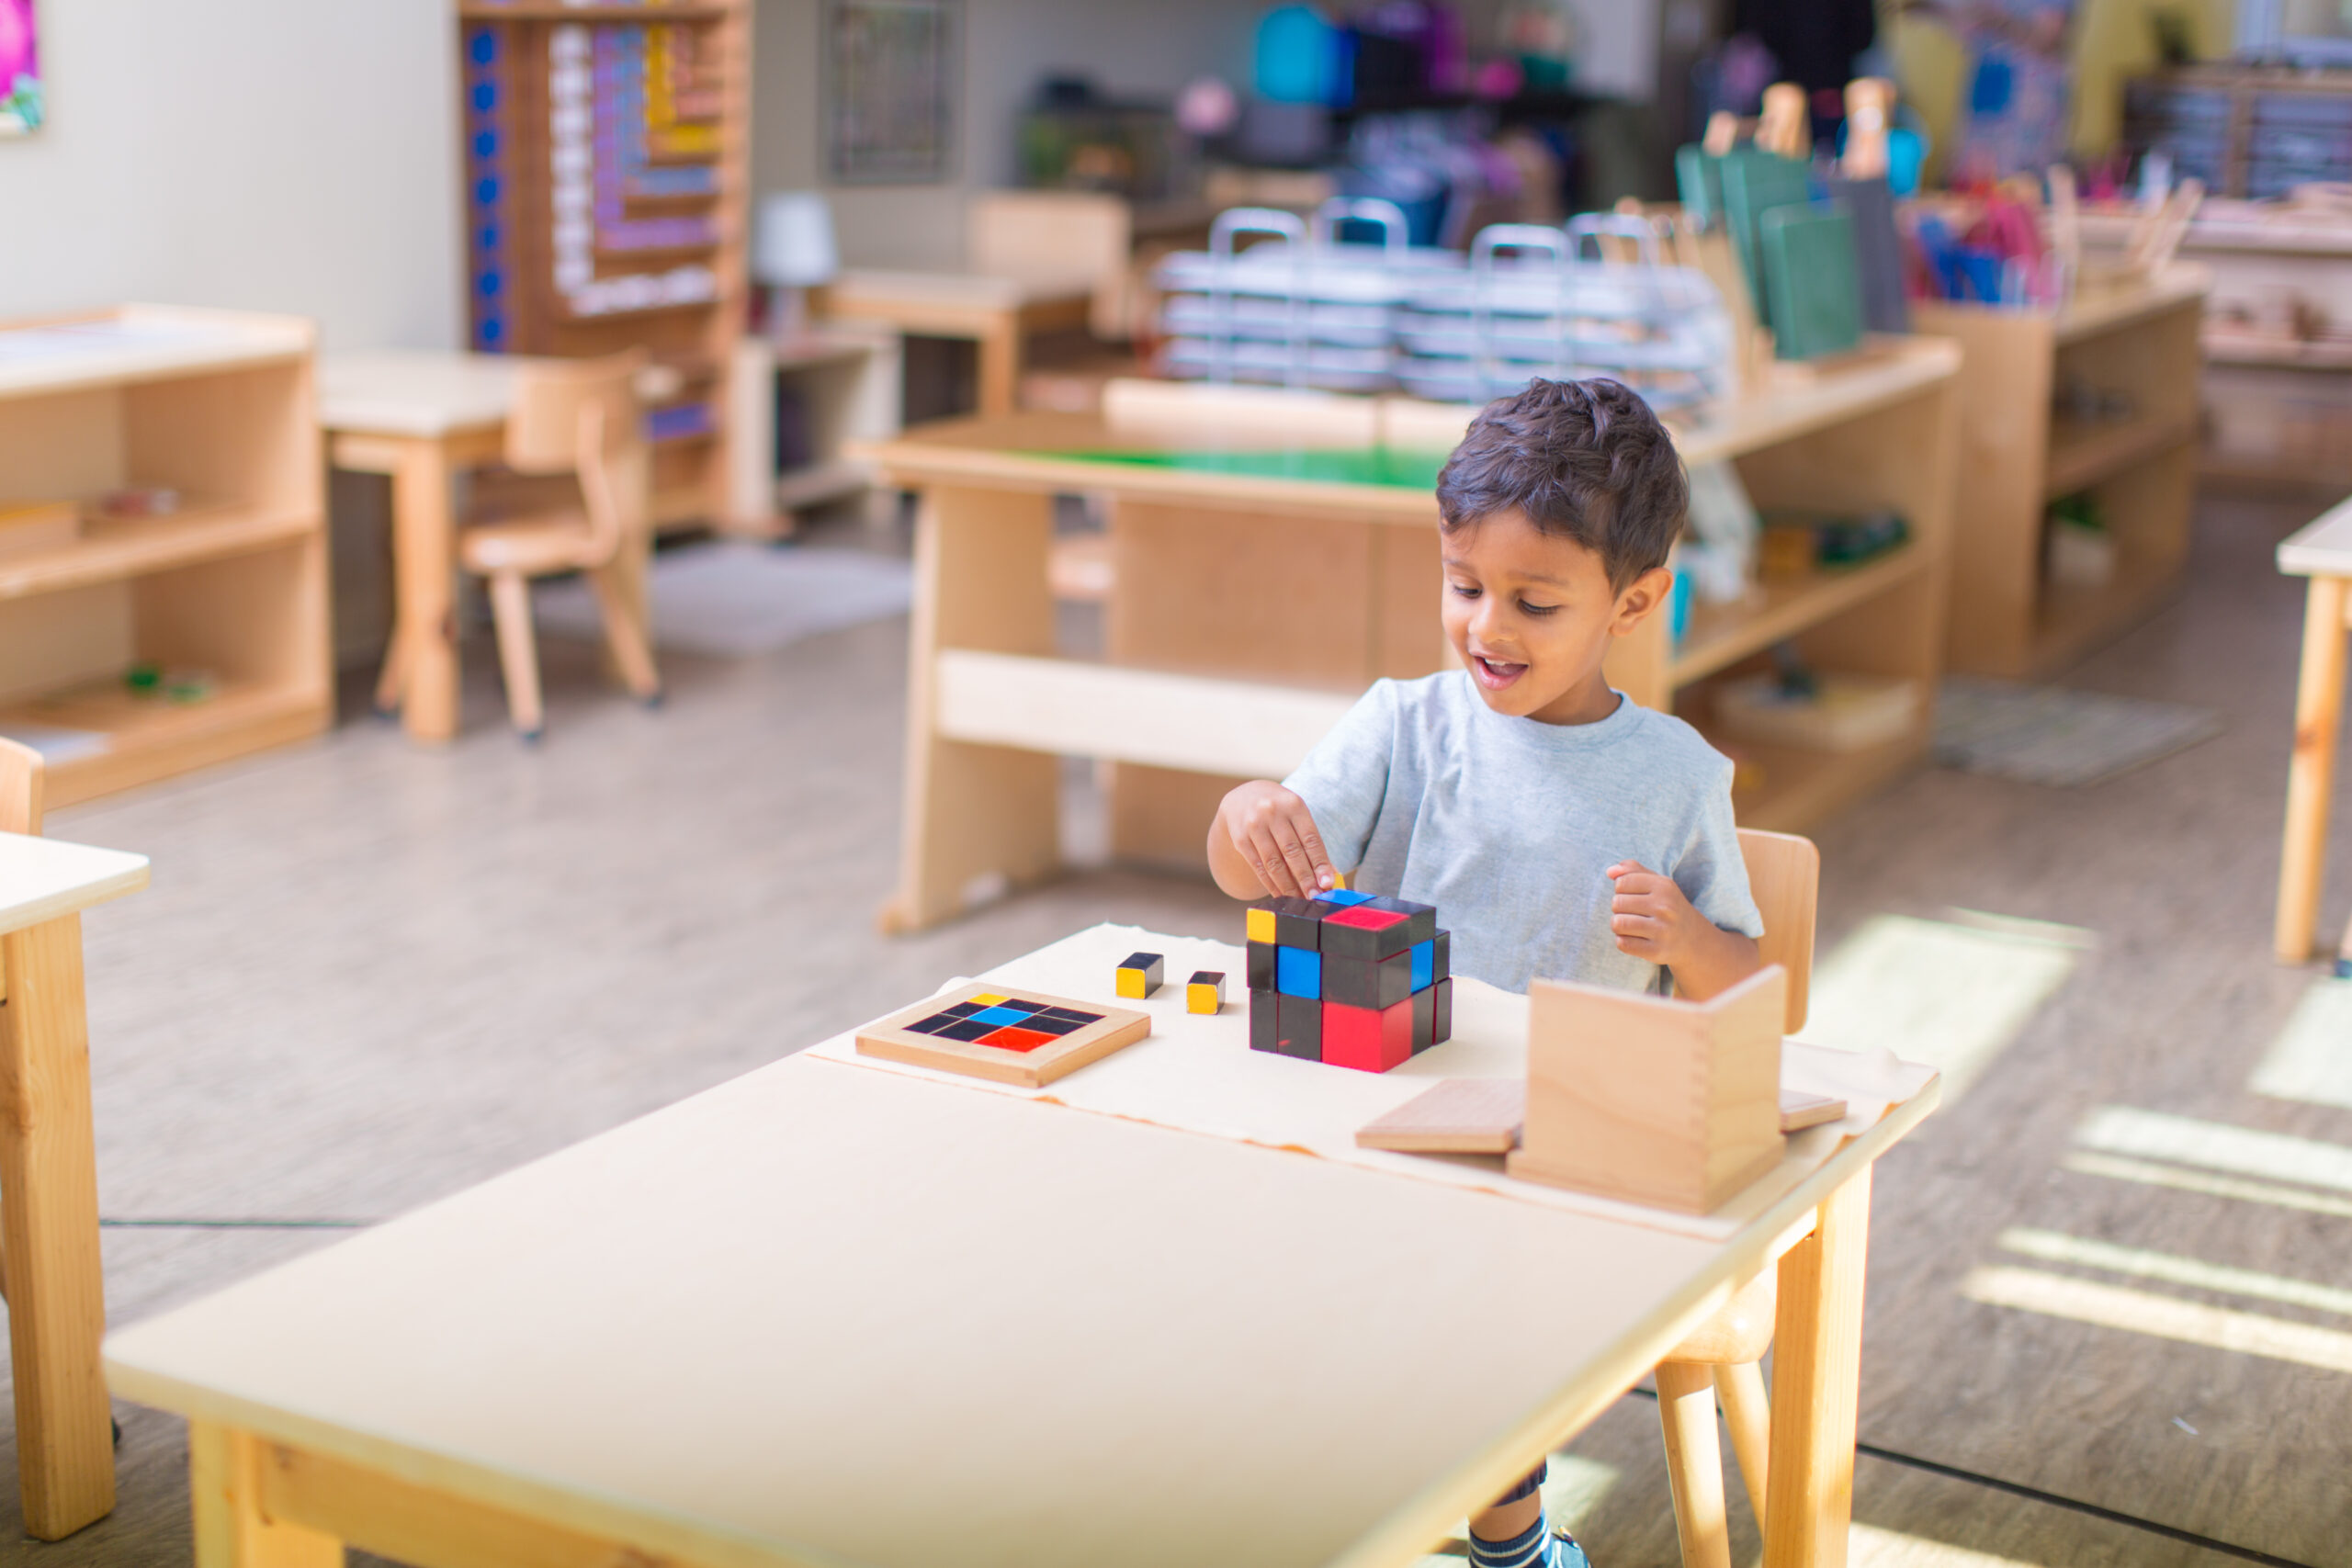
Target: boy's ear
1641,600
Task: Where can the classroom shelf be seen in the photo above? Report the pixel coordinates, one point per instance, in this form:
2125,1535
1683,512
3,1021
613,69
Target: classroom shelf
112,551
2083,452
2329,354
150,738
2016,456
1720,635
1798,788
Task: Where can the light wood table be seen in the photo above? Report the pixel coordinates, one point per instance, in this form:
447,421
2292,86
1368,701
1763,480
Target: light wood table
1271,553
844,1313
49,1178
420,416
2322,552
997,311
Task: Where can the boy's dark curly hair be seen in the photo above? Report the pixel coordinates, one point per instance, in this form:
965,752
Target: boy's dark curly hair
1586,460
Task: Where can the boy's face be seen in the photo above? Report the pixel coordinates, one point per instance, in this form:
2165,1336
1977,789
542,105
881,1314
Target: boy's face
1531,615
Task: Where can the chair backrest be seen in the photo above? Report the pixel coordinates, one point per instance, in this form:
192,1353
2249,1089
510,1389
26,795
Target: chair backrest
1785,873
582,416
20,776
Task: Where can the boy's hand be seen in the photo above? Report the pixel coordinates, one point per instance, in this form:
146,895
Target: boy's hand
1271,832
1650,918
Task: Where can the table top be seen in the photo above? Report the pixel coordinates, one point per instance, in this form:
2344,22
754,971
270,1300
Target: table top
141,342
1252,460
2322,547
750,1326
41,879
974,290
431,392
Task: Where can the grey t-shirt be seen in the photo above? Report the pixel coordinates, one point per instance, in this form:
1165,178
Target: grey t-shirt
1509,826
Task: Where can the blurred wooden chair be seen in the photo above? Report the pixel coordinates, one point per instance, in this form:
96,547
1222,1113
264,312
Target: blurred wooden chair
1725,1355
579,418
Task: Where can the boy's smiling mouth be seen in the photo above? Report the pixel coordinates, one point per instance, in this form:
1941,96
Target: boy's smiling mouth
1493,673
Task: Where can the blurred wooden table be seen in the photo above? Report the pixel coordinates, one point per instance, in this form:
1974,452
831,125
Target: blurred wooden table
2322,552
49,1178
996,312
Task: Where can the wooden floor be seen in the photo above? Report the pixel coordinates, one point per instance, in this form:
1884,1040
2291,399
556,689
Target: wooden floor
367,975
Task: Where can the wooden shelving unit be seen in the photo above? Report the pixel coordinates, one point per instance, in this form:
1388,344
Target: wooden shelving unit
607,176
2138,341
219,407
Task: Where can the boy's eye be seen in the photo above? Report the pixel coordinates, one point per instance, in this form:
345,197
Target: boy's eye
1466,589
1536,609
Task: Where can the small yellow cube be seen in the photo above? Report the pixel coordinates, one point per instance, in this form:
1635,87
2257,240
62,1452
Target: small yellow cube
1204,992
1139,975
1260,925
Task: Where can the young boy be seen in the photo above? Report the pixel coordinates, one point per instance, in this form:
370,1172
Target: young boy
1564,831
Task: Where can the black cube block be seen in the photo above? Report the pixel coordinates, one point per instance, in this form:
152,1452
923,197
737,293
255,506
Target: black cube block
1298,1026
1259,959
1262,1021
1374,982
1420,920
1424,1019
1442,964
1298,922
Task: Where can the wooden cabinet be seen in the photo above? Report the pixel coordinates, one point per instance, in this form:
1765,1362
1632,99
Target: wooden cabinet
225,595
2134,350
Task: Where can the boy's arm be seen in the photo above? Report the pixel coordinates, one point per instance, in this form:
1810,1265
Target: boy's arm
1265,842
1651,919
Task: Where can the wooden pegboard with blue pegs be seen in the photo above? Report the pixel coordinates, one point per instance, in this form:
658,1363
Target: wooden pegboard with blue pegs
1348,979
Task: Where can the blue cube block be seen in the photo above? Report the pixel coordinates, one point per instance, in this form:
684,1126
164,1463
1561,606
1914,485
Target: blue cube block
1298,972
1424,964
1344,897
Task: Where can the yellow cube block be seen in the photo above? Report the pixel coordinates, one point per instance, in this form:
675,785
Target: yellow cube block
1260,925
1139,975
1204,992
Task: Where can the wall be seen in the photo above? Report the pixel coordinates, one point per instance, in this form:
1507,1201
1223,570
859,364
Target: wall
2113,42
1138,48
272,154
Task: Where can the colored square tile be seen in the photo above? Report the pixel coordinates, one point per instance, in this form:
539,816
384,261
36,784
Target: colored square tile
1070,1015
1054,1026
1367,932
1424,964
1362,919
1015,1039
1258,961
1257,924
961,1009
989,1000
964,1029
1298,972
931,1026
1298,921
1422,919
997,1016
1345,898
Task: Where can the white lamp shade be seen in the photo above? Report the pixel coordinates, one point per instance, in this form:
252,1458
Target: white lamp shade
792,242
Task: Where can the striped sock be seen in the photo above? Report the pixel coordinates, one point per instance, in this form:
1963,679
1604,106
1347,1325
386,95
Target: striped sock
1535,1547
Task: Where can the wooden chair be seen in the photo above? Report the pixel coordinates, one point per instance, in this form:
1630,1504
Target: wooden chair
579,418
1725,1355
20,786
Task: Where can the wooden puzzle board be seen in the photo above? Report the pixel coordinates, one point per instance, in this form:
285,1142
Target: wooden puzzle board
1198,1074
1002,1033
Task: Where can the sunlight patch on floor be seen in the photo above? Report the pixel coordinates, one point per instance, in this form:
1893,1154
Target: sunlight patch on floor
1871,1547
1947,994
2050,1246
2161,1318
2149,1174
2216,1145
2312,1058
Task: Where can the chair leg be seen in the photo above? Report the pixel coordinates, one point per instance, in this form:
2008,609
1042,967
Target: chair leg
1748,1411
1694,1465
393,678
621,628
518,652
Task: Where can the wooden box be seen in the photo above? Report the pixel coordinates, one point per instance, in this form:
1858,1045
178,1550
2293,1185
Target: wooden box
1670,1103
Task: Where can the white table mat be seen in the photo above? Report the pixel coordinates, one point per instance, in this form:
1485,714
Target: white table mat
1197,1074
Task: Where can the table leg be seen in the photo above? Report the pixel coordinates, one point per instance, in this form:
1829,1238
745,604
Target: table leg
977,820
48,1192
2311,774
1817,1385
233,1531
423,575
1000,367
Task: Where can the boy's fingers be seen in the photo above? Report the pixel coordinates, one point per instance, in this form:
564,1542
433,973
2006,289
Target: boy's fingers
1312,841
1301,866
1266,860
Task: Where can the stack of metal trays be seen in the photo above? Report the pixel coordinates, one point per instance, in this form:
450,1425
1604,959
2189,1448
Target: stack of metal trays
1485,332
1307,310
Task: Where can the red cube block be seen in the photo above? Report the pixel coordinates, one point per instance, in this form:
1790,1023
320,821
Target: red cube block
1371,1039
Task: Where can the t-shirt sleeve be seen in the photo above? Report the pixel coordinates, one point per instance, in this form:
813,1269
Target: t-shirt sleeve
1713,874
1345,778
